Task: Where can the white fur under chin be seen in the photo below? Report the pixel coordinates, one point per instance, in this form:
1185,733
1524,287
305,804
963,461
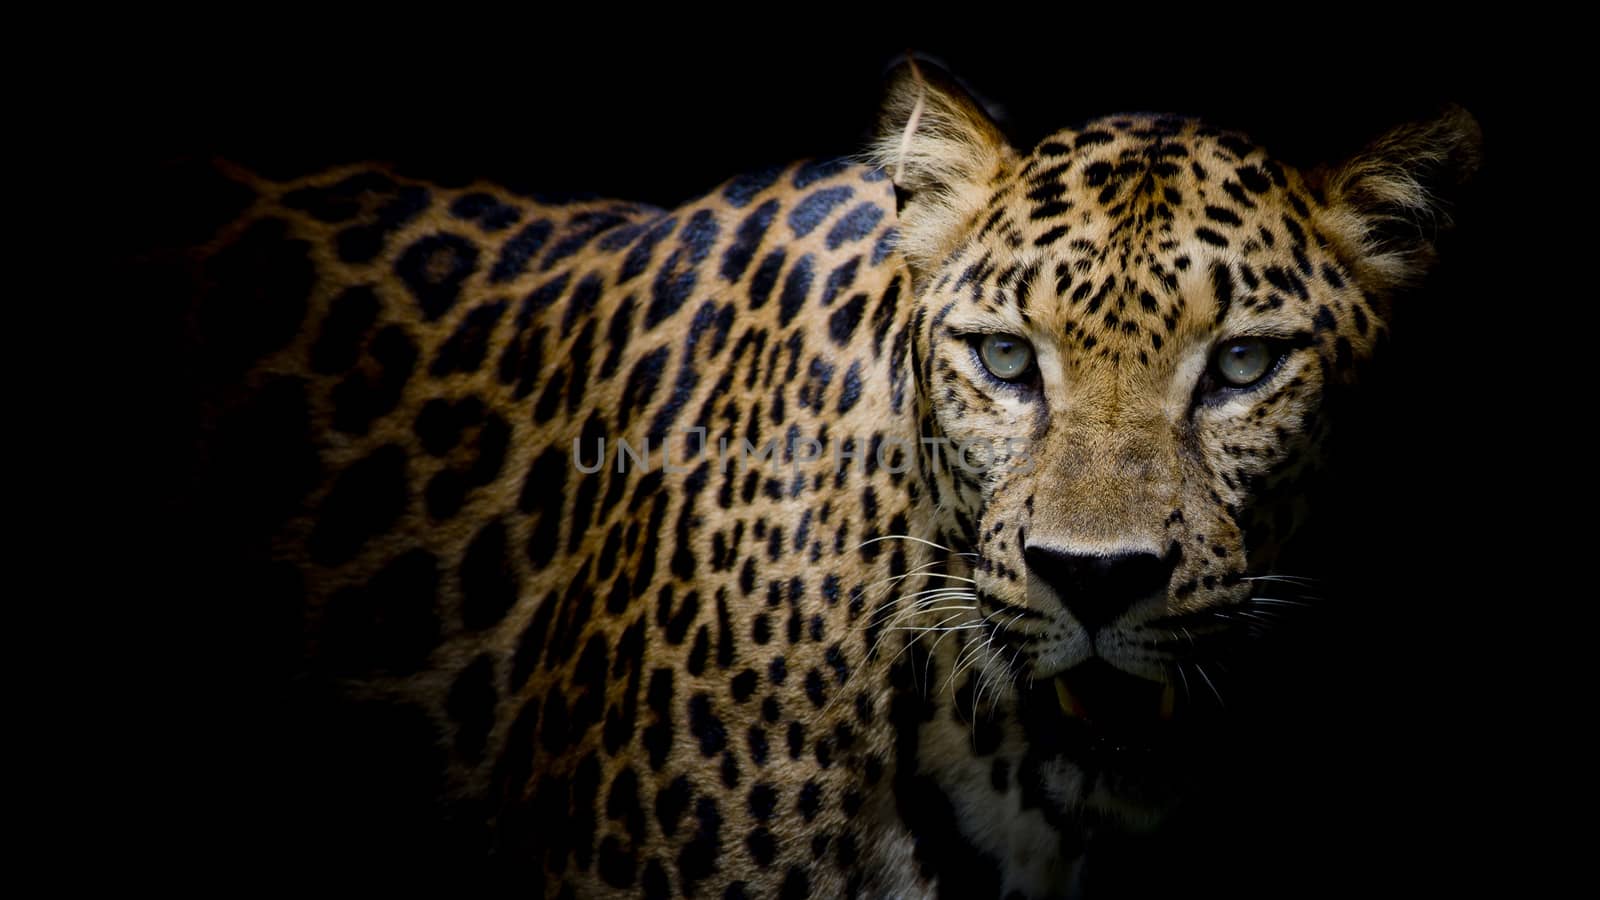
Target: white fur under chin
1022,841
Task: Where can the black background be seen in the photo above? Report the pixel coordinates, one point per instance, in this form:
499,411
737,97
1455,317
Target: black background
577,108
1392,763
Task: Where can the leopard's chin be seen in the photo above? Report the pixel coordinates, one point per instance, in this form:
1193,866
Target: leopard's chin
1129,739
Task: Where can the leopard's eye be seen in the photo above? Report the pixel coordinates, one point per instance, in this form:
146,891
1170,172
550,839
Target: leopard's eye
1007,356
1242,362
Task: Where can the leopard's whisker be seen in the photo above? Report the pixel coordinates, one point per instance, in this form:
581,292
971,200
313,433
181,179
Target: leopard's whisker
941,609
967,648
973,659
924,606
907,645
1214,692
932,651
907,537
1280,602
995,683
889,582
1288,579
892,612
977,692
1011,669
889,626
935,629
919,569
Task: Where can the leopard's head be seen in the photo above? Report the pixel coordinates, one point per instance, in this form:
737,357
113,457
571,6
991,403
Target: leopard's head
1125,342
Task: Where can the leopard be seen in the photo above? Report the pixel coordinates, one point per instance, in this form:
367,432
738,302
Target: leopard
866,527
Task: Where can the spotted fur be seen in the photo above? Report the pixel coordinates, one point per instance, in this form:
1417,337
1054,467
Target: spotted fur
801,678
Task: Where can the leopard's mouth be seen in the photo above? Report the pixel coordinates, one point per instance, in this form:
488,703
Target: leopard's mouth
1104,695
1112,723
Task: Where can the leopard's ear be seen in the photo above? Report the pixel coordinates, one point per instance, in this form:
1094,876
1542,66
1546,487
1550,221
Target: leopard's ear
1385,208
944,155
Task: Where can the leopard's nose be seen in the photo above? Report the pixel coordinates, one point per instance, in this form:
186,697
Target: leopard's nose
1097,588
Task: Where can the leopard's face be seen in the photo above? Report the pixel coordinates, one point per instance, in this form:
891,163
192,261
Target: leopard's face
1144,318
1126,342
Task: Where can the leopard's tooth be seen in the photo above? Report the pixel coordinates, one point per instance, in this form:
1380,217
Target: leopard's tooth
1169,700
1069,704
